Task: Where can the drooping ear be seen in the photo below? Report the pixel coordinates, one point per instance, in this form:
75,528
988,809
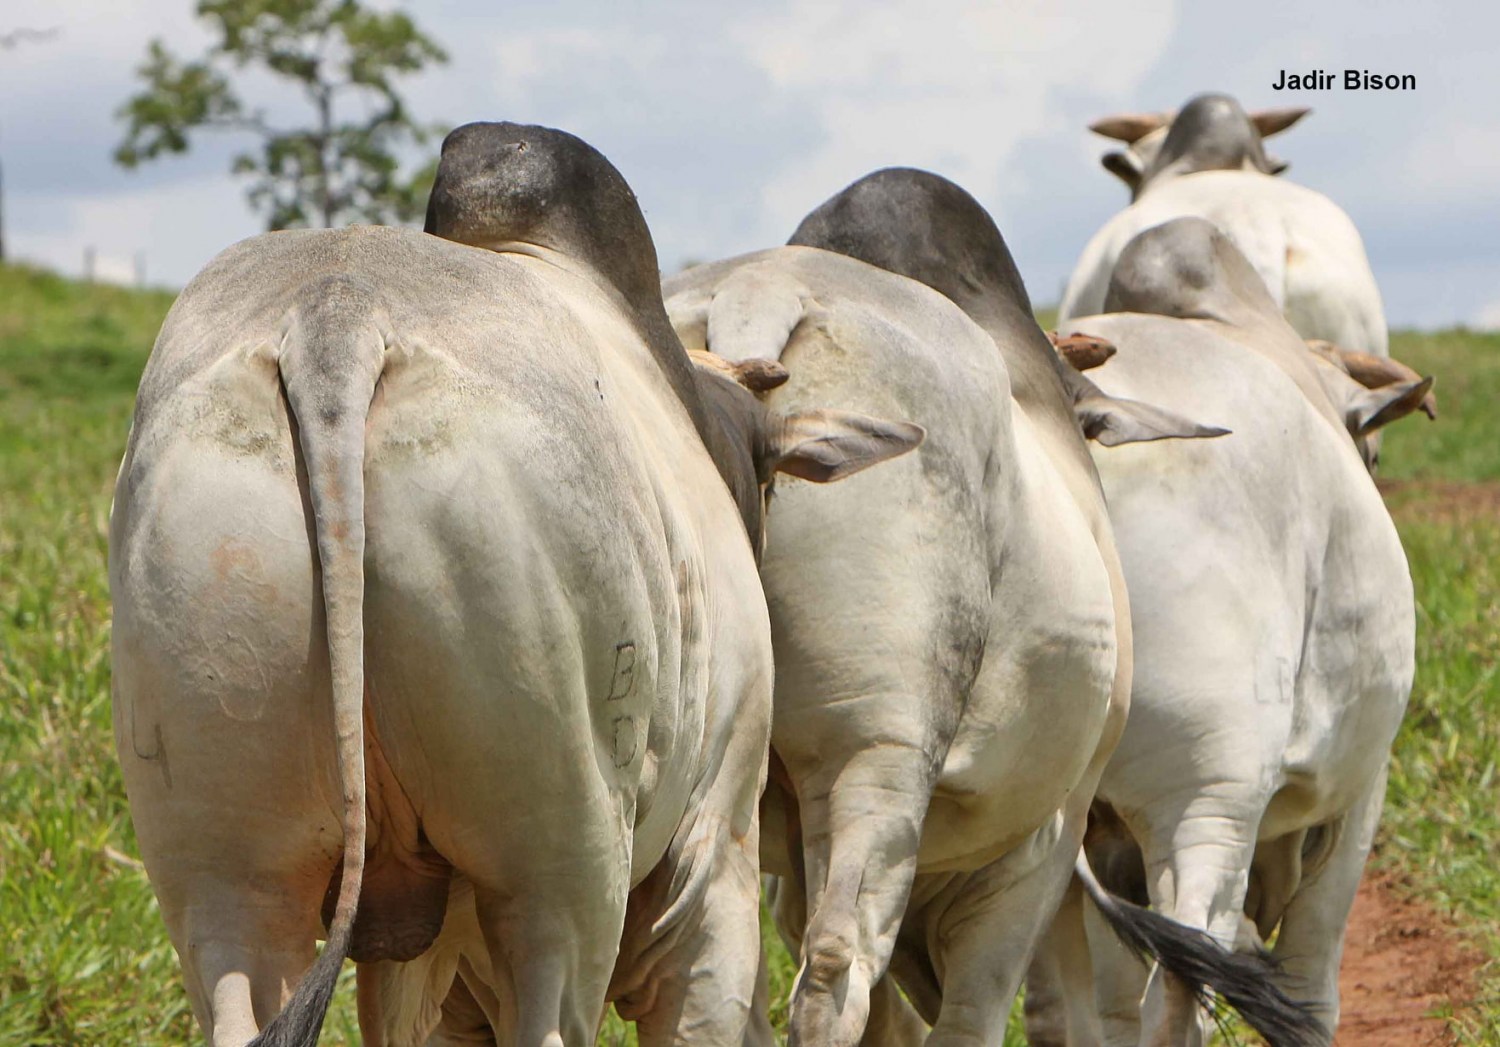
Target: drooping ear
1082,351
1124,166
1113,421
1370,409
1372,372
825,445
1273,121
1128,127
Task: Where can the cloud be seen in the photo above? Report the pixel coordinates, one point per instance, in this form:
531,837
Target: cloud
670,98
955,85
58,97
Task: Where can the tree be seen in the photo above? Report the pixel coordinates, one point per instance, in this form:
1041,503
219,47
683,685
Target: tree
342,168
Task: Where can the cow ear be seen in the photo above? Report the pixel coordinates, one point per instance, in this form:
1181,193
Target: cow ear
1128,127
760,376
1273,121
1370,409
1083,352
827,445
1372,372
1112,421
1124,166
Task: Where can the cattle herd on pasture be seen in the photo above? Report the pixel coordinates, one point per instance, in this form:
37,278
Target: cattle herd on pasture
517,622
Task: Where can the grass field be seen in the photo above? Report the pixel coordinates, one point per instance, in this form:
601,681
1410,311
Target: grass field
83,955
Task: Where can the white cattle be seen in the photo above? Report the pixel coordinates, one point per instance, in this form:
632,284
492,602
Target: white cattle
952,636
479,498
1209,164
1274,632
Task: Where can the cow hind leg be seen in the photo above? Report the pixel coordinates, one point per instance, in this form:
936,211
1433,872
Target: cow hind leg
1197,875
548,991
987,930
536,942
893,1022
1310,945
241,958
1120,978
1060,1007
861,831
464,1023
693,958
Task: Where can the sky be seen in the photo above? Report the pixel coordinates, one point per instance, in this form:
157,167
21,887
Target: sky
733,120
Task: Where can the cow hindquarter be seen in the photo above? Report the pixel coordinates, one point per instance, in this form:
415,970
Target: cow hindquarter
571,678
516,583
222,724
1044,695
1007,817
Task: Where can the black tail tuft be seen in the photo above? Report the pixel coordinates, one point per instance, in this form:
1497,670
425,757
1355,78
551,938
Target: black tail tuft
301,1020
1243,981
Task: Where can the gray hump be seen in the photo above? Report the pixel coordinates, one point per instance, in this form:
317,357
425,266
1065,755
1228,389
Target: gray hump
501,182
1186,268
1212,132
921,226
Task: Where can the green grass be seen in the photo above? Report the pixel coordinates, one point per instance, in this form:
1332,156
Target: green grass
84,957
1463,444
1442,820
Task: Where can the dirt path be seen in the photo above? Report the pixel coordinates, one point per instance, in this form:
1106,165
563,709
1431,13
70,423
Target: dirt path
1402,960
1441,499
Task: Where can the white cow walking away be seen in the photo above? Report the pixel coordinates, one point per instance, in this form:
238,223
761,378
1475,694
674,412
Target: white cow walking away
1274,639
951,633
1209,164
482,499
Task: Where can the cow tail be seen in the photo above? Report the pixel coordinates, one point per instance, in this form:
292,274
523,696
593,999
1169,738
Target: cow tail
331,359
1242,980
753,315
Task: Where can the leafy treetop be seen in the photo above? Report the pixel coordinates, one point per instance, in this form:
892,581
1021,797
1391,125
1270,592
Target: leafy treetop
339,169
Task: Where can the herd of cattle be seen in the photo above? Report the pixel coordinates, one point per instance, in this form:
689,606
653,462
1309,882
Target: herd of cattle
449,582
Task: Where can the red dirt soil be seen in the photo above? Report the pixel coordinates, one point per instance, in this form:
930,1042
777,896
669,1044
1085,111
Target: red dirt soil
1402,961
1441,499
